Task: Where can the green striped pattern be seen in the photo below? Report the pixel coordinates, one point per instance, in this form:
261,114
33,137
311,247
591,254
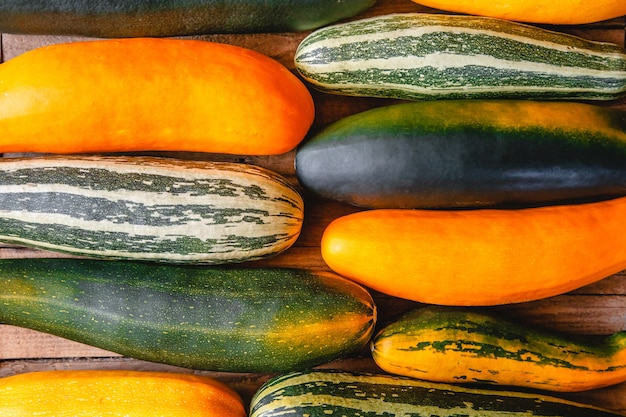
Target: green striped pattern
443,344
427,56
328,393
148,208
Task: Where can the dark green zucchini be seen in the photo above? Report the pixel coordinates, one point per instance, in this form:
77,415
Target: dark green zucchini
239,320
468,153
334,393
137,18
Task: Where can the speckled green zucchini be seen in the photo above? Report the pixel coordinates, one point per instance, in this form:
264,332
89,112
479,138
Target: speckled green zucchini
138,18
225,319
432,56
458,345
144,208
333,393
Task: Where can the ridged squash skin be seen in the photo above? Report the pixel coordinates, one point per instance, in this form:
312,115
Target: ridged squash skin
116,393
563,12
148,208
478,257
326,392
423,56
148,94
468,153
217,319
142,18
457,345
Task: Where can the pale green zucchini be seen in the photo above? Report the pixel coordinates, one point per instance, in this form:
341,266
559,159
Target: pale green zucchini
145,208
431,56
333,393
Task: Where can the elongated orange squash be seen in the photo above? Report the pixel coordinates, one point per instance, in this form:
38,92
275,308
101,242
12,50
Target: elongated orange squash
117,393
148,94
479,257
559,12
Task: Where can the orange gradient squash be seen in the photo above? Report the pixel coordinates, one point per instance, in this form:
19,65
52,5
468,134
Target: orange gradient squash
560,12
117,393
148,94
479,257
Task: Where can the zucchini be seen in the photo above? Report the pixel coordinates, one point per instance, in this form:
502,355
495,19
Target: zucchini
139,18
415,56
560,12
478,257
219,319
149,94
323,393
116,393
457,345
148,208
468,153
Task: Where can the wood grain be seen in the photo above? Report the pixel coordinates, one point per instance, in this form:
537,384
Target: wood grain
596,309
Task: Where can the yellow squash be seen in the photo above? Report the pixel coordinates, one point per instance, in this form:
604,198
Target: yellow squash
147,94
479,257
560,12
116,393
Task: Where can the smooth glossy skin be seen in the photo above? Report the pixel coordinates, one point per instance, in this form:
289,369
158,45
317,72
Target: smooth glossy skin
138,18
479,257
452,154
151,94
117,393
561,12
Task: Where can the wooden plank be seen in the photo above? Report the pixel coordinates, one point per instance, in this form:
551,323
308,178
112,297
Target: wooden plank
597,309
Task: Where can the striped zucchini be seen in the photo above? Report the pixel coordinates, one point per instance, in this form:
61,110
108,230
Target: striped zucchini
146,208
456,345
222,319
334,393
430,56
139,18
468,153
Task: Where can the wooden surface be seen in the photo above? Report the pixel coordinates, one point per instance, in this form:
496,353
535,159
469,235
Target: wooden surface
597,309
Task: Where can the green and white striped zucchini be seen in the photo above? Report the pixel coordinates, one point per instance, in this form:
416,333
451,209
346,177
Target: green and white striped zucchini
212,318
430,56
334,393
145,208
459,345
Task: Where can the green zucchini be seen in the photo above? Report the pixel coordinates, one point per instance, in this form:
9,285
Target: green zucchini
221,319
416,56
335,393
468,153
147,208
149,18
459,345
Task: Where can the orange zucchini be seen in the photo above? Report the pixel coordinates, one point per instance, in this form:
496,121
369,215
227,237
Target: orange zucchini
117,393
148,94
479,257
559,12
